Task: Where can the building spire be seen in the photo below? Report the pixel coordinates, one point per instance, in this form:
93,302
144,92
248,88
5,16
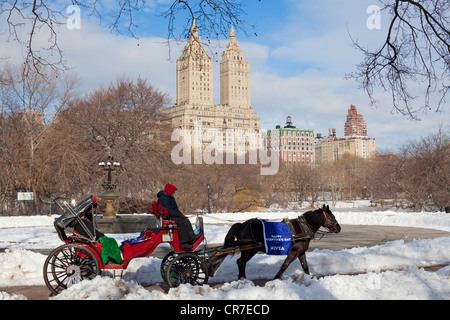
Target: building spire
232,34
194,28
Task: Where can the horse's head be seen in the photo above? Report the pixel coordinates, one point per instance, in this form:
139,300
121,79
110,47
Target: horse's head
330,221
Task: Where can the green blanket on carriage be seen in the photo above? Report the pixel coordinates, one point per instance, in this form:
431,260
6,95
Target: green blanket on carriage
110,250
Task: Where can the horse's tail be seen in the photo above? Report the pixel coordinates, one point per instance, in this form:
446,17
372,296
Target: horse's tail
230,238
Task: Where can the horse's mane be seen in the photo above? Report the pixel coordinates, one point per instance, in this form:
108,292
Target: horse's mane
308,216
309,213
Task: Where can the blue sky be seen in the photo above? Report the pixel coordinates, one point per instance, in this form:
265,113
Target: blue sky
299,59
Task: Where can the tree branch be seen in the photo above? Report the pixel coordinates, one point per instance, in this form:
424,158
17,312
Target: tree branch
416,52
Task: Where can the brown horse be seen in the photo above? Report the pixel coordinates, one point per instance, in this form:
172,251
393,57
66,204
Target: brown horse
303,229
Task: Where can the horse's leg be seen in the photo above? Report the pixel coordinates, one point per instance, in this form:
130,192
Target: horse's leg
303,262
242,261
292,255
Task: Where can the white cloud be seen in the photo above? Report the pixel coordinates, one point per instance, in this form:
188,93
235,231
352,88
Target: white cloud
316,99
307,62
319,33
100,57
300,74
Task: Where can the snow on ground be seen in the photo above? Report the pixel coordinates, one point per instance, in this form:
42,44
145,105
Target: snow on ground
412,283
407,281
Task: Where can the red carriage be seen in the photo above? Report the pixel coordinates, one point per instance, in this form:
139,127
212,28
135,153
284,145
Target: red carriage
80,257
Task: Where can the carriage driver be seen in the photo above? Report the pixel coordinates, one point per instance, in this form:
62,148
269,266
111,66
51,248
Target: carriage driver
185,231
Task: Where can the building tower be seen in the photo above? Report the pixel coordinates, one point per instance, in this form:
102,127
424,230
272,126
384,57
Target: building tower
234,121
194,73
234,75
355,124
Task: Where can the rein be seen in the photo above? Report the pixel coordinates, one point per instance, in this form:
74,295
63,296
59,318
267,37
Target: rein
307,229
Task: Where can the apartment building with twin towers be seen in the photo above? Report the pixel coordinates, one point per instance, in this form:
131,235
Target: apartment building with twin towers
233,123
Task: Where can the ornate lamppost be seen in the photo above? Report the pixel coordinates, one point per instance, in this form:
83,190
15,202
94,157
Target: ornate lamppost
109,195
208,186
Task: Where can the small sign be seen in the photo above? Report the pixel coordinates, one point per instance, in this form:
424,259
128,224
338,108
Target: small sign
25,196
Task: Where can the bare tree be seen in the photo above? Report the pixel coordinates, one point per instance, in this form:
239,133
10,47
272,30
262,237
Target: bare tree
213,17
29,106
415,57
420,172
123,119
26,20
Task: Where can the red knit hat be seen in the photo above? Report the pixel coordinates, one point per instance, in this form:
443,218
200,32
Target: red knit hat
169,189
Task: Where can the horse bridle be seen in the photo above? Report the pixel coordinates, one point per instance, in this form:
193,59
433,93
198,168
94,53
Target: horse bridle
329,222
307,229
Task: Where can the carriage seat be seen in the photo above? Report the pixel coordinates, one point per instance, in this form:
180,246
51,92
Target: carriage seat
149,230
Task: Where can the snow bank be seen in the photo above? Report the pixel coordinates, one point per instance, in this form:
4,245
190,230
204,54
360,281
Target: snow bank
7,296
28,221
428,220
39,233
22,267
412,283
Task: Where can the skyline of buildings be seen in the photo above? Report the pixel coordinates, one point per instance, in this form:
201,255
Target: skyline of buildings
233,126
355,141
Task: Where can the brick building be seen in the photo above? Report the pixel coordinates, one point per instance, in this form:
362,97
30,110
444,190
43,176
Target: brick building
355,142
355,124
296,146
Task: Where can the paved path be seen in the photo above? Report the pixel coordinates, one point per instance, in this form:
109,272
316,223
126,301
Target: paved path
350,236
368,236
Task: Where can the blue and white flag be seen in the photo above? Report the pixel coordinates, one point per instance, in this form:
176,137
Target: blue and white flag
277,238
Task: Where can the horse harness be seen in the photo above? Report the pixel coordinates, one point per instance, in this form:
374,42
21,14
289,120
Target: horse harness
306,231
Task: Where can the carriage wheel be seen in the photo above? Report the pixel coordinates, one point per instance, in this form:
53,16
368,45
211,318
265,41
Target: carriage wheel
165,264
186,268
69,264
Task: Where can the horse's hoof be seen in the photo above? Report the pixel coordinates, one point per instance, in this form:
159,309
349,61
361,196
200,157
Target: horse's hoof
242,278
